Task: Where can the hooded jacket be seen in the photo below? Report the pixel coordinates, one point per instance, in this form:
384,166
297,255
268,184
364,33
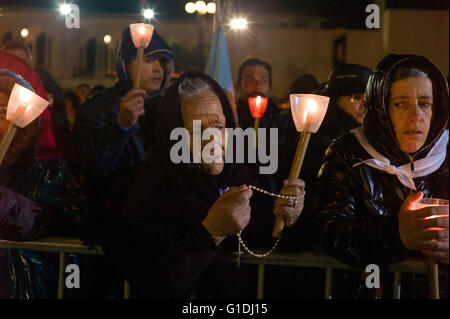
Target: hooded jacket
356,208
166,204
107,156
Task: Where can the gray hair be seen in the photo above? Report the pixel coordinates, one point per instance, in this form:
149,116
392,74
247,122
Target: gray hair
404,73
190,87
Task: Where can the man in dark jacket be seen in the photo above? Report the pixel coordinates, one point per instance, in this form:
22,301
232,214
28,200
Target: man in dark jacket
371,176
178,217
115,128
254,78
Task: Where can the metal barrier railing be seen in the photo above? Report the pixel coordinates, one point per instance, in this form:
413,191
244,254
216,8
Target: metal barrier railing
62,246
311,259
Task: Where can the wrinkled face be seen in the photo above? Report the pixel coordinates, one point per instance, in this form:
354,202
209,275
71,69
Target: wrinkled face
152,72
255,78
207,108
411,110
353,105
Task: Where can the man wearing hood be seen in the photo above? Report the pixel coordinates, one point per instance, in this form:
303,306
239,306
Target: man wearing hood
371,176
179,217
115,128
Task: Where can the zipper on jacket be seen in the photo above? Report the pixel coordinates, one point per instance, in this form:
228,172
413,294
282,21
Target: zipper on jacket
411,161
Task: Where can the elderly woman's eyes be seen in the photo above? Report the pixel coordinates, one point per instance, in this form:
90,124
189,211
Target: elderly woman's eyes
426,104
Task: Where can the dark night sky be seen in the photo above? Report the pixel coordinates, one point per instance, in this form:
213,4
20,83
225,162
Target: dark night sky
338,12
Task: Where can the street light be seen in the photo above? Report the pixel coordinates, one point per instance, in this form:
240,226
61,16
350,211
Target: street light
149,14
24,33
200,6
65,9
107,39
238,24
211,7
190,7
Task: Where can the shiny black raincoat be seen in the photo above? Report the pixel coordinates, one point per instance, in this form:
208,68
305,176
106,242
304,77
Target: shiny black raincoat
356,208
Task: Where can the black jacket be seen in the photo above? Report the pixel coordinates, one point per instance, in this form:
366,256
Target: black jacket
161,231
356,208
107,155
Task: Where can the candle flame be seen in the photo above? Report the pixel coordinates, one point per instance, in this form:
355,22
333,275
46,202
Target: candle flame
311,107
141,30
25,95
258,100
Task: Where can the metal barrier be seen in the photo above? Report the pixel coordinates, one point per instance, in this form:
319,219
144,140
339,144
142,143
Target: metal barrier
62,246
316,260
304,259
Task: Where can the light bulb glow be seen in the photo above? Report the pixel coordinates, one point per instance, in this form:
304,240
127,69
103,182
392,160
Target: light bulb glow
211,7
238,24
24,33
149,13
65,9
200,6
107,39
190,7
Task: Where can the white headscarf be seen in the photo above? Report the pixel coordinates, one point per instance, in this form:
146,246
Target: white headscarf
422,167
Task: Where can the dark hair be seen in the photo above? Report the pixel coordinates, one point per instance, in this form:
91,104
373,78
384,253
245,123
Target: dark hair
251,62
83,85
17,45
404,72
74,99
305,83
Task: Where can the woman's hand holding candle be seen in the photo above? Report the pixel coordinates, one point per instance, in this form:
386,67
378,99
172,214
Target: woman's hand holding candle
425,228
287,207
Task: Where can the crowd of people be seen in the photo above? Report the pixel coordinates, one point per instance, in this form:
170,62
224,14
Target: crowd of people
97,165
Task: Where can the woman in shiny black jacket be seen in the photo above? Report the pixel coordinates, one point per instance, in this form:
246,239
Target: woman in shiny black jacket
358,207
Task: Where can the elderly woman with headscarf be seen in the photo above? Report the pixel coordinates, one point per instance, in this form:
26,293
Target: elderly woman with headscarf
371,176
180,217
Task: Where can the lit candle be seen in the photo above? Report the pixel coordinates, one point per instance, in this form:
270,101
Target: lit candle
141,34
23,107
257,107
432,264
308,111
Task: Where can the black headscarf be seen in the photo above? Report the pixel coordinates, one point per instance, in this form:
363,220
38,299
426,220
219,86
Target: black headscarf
377,124
181,190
